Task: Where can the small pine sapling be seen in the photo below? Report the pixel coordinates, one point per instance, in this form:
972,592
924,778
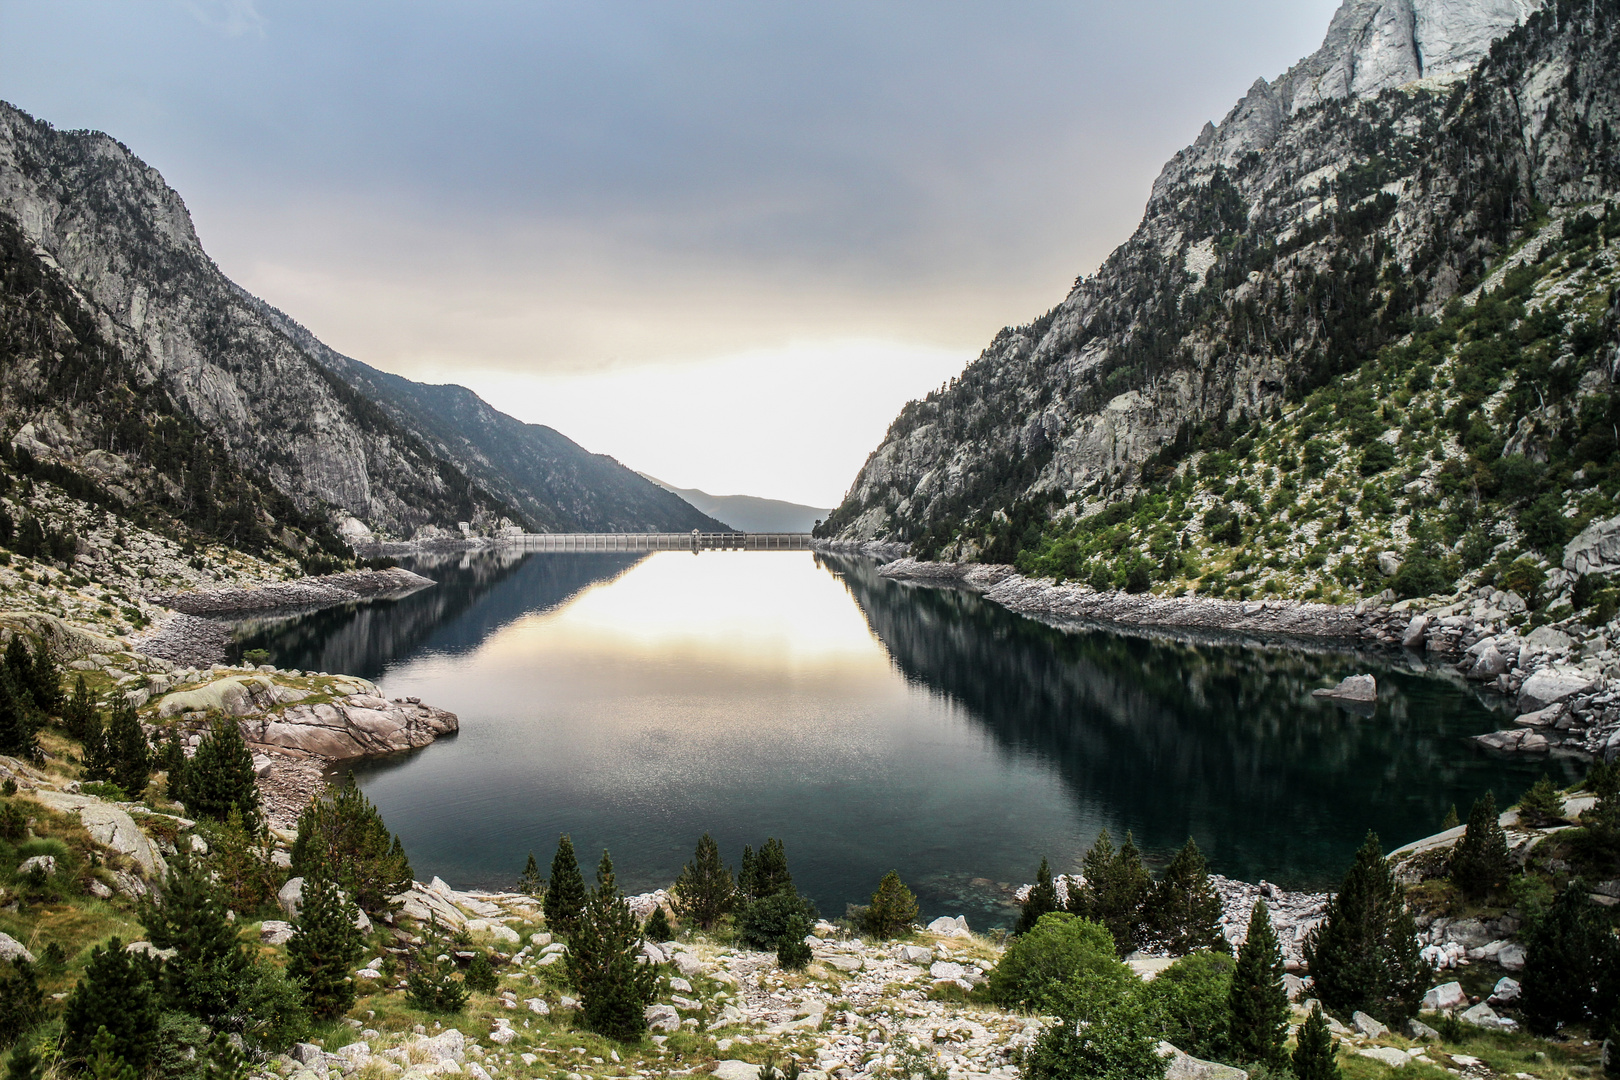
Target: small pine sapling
1543,804
322,954
1258,1001
658,928
893,908
1042,899
705,891
565,896
1480,861
1316,1055
481,977
530,883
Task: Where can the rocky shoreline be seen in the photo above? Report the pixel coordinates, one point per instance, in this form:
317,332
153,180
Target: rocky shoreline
1562,680
321,591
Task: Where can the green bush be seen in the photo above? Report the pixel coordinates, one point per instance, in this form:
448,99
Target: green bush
1420,575
1038,968
892,910
345,832
1189,1003
766,921
481,977
1377,458
1117,1043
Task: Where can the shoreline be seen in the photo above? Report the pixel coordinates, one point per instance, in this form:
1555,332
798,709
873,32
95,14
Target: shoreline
1560,679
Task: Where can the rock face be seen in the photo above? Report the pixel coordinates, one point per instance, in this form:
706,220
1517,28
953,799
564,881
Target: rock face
1596,550
1090,401
1357,688
326,431
110,827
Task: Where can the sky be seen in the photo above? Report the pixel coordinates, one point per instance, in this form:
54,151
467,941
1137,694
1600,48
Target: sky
723,242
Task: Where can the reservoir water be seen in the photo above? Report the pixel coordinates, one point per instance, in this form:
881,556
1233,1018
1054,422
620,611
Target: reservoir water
637,701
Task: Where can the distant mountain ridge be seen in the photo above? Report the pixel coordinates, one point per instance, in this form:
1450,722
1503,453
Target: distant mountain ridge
750,513
335,437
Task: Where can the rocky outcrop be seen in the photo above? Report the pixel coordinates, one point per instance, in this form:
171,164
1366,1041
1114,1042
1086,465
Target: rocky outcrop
1596,550
322,591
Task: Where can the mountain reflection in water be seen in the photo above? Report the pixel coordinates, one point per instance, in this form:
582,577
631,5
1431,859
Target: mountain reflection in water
638,701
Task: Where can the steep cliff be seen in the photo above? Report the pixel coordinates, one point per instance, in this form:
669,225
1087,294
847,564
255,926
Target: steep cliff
335,437
1295,268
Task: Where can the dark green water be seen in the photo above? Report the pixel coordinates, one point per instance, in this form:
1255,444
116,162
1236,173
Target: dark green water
638,701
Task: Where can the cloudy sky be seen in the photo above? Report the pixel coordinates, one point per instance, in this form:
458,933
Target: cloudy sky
723,242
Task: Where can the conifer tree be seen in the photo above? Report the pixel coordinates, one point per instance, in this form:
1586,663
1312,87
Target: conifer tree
770,871
1364,953
21,1000
431,983
1316,1055
205,977
481,977
19,671
241,861
1258,1001
530,883
1450,821
99,764
114,994
1115,889
131,756
1572,965
893,908
18,736
323,952
44,681
220,774
1095,870
704,891
1184,911
25,1064
614,990
346,832
658,928
747,875
79,709
1542,804
566,896
1480,861
174,765
1042,899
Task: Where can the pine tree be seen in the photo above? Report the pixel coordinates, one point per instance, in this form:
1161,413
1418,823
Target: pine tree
1115,889
614,990
1364,953
565,898
241,860
893,908
746,875
345,832
1184,911
481,977
1259,1003
174,765
1095,870
205,977
1041,900
99,764
1450,821
44,681
530,883
106,1061
323,952
25,1064
19,671
79,709
431,983
658,928
1572,965
1542,804
21,1001
770,871
704,891
115,993
131,756
1480,861
1316,1055
17,728
220,774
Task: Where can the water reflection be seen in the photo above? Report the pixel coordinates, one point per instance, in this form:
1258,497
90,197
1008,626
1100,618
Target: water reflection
638,701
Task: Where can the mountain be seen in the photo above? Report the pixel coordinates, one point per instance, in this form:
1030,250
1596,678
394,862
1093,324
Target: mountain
749,513
1365,322
286,408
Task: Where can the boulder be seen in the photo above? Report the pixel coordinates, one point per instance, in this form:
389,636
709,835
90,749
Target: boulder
1481,1015
1595,549
45,864
913,954
502,1032
449,1045
1388,1055
307,1054
275,932
537,1006
1488,665
291,896
949,927
1552,686
1506,991
736,1070
1444,998
944,970
1367,1026
1511,957
1359,688
1389,563
1417,1029
1546,639
1416,632
1183,1066
12,949
662,1018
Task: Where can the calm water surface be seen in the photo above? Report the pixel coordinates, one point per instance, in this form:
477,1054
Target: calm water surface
636,701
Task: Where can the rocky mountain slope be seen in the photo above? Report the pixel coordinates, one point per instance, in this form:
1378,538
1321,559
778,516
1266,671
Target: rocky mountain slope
1366,322
121,240
750,513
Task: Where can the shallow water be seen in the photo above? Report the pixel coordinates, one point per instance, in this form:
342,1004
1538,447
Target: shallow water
636,701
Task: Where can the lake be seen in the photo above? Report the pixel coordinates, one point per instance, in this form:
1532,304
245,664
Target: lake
637,701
